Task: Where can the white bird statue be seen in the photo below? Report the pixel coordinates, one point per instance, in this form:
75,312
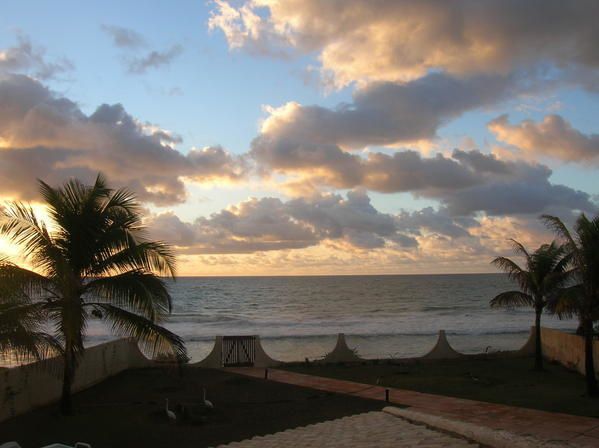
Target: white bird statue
207,403
170,414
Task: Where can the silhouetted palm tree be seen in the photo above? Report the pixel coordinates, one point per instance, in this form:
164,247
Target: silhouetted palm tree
91,259
544,273
581,297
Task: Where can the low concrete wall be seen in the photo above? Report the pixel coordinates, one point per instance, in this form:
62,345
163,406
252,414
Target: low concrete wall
214,360
33,385
442,349
262,358
567,349
341,353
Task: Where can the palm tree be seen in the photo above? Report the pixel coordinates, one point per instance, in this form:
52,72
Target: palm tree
581,297
91,259
544,273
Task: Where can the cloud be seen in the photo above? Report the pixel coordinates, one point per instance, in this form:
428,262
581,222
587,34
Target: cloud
388,113
269,224
124,37
245,28
153,60
25,57
46,136
318,147
466,182
438,222
130,40
401,40
553,137
340,234
436,251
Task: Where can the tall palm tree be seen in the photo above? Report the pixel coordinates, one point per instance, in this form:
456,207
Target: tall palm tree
544,273
91,259
581,297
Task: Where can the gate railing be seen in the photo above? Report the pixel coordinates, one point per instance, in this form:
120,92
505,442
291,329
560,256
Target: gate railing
238,351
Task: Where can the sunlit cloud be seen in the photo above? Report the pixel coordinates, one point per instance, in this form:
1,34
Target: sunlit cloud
402,40
47,136
553,137
268,224
389,174
435,253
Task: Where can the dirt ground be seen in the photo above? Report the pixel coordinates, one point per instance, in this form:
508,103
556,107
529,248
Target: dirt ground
128,410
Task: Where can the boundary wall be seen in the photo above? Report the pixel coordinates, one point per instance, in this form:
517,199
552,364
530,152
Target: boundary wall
33,385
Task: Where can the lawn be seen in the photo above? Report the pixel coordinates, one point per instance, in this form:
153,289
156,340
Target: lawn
128,410
507,381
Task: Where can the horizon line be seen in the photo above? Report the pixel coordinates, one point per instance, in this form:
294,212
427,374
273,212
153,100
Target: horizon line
336,275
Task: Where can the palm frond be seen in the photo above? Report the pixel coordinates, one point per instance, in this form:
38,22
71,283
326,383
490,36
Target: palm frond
21,226
559,228
21,335
21,346
510,299
564,262
513,271
519,248
154,339
122,200
15,280
568,302
136,290
151,256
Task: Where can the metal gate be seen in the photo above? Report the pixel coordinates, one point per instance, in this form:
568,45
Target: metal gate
239,350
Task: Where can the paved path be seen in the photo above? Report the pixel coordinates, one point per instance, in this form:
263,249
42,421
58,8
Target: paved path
544,426
372,429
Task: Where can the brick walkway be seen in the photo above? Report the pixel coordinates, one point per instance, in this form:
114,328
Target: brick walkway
372,429
544,426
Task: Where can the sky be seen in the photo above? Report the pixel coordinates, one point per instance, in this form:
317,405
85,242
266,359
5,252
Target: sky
287,137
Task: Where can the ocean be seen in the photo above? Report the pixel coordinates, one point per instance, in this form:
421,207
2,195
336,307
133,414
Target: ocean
382,316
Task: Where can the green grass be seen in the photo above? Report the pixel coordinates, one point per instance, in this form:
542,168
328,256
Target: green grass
508,381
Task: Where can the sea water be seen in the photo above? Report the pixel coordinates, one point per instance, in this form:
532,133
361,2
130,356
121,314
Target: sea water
382,316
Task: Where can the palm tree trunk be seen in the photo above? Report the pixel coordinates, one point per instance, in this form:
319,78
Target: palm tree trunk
538,346
66,403
589,365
